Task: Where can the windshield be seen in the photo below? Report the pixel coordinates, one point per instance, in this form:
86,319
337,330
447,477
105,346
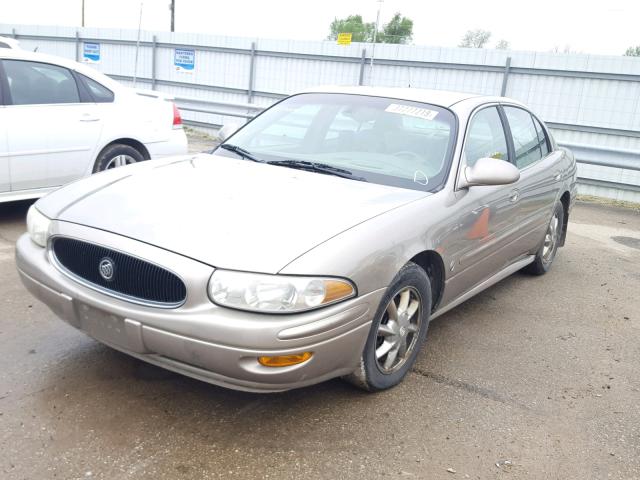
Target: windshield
380,140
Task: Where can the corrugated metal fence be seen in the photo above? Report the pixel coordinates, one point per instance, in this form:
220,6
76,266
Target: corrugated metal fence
591,102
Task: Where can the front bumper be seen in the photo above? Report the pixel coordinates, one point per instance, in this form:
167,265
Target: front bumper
199,339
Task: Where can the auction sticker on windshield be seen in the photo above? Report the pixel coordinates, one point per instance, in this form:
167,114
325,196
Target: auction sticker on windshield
411,111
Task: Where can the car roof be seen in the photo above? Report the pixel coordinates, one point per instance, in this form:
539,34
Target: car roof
443,98
18,54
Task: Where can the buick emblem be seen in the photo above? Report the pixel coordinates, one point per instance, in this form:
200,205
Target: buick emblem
106,268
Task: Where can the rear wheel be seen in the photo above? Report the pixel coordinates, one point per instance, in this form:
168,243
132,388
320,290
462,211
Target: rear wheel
547,252
117,155
397,333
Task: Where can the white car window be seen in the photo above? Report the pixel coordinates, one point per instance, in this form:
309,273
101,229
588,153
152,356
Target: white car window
99,92
40,83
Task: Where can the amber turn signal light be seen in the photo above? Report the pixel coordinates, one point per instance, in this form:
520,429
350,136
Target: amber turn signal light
285,360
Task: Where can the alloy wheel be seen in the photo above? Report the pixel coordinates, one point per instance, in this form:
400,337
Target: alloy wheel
119,161
550,240
398,331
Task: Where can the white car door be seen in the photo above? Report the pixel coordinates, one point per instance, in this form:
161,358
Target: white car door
5,182
52,134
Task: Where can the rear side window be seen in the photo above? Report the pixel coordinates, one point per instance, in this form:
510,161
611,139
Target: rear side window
33,83
525,137
542,138
99,92
4,45
486,138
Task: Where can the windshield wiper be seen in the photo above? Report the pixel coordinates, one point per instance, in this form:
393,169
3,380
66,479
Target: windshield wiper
317,167
247,155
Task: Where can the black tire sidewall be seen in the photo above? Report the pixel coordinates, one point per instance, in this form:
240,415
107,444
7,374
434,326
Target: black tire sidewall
113,151
410,275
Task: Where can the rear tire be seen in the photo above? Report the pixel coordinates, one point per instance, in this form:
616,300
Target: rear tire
397,333
117,155
549,248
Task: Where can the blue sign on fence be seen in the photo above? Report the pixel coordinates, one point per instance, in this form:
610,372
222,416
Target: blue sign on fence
91,53
184,60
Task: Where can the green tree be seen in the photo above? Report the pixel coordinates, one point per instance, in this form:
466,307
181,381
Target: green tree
398,30
633,51
475,38
353,24
502,45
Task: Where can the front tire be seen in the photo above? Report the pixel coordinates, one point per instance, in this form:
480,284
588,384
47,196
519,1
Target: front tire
397,333
549,248
117,155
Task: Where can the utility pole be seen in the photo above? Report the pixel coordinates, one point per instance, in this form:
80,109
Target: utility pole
135,63
375,37
82,23
172,7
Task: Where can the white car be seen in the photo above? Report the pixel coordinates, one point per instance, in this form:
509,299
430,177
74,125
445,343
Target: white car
61,120
6,42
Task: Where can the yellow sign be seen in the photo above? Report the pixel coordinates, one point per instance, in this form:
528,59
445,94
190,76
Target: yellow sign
344,39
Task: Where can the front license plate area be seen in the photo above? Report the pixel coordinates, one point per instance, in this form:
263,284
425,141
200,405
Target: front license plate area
102,325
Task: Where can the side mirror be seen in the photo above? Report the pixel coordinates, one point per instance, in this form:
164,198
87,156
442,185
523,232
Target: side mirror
227,130
489,171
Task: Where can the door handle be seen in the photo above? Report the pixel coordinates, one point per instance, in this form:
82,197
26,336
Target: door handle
89,118
515,195
557,175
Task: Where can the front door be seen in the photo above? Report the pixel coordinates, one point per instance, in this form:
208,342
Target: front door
477,242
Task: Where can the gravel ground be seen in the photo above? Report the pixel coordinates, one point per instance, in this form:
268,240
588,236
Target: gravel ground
534,378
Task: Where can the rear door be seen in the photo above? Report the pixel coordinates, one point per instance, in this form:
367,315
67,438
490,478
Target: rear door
5,182
537,189
52,134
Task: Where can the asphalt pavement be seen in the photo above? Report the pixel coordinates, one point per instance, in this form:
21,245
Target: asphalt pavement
535,378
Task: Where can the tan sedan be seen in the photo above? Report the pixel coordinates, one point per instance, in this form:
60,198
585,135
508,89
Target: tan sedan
317,241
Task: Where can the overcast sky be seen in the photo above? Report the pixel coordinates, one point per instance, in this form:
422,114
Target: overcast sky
603,26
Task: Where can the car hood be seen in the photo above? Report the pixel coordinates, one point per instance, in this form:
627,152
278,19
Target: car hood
222,211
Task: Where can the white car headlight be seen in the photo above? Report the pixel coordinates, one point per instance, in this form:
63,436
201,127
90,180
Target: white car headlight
38,226
276,293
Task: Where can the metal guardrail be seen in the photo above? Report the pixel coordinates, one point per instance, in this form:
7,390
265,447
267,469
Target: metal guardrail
585,154
227,109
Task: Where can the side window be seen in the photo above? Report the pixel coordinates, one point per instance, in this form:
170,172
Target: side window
486,137
525,136
99,92
32,83
542,138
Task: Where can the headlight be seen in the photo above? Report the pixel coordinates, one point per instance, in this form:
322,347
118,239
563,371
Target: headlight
276,293
38,226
